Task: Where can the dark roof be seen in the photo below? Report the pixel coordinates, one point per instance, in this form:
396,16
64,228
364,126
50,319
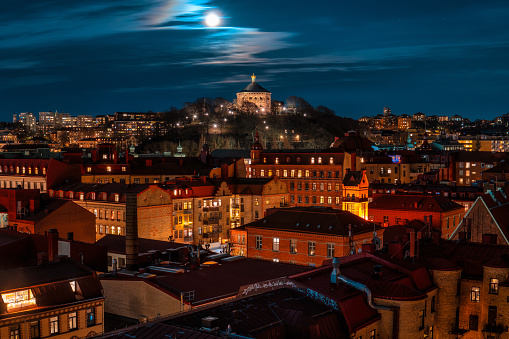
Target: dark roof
476,156
321,220
101,188
157,330
395,282
254,87
231,153
352,142
269,315
116,243
407,202
25,277
352,178
225,280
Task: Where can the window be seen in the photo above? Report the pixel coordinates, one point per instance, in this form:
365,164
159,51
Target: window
475,294
258,243
18,299
14,332
311,248
494,286
53,325
275,244
90,317
372,334
312,160
73,321
432,306
330,250
474,322
421,320
293,246
35,330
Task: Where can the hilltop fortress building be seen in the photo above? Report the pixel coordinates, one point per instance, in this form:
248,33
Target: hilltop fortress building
254,94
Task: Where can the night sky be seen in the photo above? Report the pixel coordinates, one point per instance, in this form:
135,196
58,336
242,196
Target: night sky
355,57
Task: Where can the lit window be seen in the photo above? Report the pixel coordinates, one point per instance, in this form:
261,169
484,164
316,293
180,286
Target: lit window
299,173
53,325
319,160
270,173
285,173
73,286
256,202
262,173
89,169
307,173
18,299
311,248
494,286
292,173
275,244
277,160
267,201
331,161
117,198
108,168
293,246
313,160
123,168
73,321
475,294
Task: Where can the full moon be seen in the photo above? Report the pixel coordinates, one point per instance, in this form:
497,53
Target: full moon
212,20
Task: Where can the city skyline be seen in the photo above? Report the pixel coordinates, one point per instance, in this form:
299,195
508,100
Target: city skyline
97,58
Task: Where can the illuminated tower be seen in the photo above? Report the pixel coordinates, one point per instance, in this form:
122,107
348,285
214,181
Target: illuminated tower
355,193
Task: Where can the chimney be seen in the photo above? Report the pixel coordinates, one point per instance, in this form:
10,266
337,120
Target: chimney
368,248
412,244
52,243
34,205
70,236
131,240
42,258
335,270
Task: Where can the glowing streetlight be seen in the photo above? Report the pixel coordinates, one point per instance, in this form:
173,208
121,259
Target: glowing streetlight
266,127
212,19
215,125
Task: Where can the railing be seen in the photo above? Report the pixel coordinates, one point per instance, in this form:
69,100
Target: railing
210,208
188,239
211,222
188,211
235,206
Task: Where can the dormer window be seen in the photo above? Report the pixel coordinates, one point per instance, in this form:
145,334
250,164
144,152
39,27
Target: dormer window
108,168
71,195
19,299
277,160
61,194
288,160
312,160
105,156
331,161
73,286
264,160
298,160
124,168
319,160
117,197
89,169
92,195
82,196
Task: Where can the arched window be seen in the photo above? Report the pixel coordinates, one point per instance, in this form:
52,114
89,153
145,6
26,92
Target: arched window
313,160
277,160
331,161
298,160
288,160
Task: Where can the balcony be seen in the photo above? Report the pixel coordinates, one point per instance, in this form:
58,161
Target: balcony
210,208
188,211
188,239
214,221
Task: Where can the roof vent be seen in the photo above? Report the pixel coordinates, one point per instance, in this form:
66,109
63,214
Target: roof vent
297,224
330,227
318,226
209,324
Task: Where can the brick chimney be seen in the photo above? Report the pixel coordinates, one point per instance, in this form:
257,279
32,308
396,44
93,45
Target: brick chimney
52,243
34,205
131,240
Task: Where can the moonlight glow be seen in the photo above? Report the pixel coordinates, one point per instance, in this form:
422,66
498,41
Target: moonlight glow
212,20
